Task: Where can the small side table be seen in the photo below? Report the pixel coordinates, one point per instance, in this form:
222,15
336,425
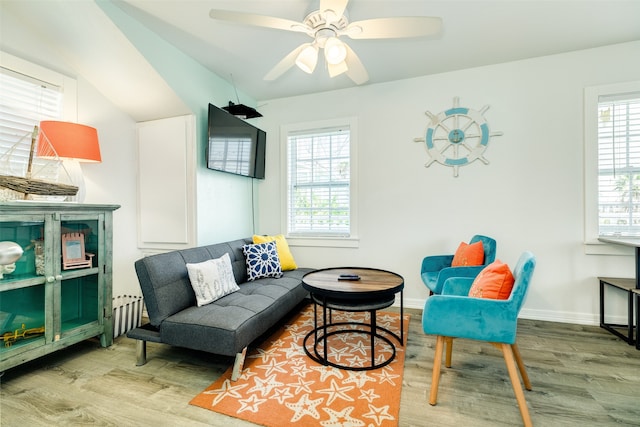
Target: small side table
374,290
628,286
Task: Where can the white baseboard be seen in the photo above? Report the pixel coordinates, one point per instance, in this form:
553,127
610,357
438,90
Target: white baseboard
416,303
566,317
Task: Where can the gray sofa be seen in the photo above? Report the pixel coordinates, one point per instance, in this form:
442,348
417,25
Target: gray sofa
226,326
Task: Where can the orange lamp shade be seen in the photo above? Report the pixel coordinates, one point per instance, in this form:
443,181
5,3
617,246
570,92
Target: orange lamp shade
68,140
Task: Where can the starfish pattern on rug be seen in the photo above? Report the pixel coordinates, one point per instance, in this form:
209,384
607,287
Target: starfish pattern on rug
226,390
378,414
337,392
304,406
368,395
265,355
386,376
280,385
301,386
274,366
341,419
265,386
300,369
250,404
360,378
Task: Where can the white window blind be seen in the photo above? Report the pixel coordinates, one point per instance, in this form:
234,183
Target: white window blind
319,182
24,102
619,164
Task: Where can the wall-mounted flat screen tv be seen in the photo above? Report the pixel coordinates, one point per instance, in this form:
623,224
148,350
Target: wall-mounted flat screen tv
235,146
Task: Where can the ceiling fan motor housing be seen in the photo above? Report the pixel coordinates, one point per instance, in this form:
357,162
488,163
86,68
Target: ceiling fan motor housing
324,28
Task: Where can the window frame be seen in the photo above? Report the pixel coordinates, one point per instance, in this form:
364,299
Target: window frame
36,76
591,229
301,239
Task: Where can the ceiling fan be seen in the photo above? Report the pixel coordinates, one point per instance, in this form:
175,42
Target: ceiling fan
326,25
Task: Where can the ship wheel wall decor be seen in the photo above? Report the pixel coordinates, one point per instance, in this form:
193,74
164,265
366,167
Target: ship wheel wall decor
457,136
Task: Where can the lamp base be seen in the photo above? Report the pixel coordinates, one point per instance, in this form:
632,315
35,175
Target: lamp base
73,169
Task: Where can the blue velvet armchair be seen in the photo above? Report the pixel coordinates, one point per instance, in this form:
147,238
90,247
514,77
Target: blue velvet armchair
453,314
436,269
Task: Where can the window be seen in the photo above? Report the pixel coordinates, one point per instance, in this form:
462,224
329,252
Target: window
320,188
612,161
619,164
28,94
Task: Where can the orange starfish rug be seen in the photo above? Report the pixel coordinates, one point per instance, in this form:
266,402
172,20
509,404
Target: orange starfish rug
280,385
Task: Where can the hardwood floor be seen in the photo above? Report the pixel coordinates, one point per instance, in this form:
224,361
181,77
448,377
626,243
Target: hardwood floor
581,376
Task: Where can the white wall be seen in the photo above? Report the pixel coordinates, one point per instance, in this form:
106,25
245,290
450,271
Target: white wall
530,196
113,180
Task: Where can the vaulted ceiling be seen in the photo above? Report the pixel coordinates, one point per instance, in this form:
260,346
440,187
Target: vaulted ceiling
475,33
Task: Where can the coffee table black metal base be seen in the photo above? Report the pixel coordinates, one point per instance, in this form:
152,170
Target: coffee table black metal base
328,328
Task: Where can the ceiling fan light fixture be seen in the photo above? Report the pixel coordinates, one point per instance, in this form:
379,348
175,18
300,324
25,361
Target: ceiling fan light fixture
334,51
307,59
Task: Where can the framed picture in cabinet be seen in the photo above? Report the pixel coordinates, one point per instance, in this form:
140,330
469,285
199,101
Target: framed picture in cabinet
73,254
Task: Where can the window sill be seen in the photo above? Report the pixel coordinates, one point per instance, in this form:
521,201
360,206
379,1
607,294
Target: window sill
600,248
324,242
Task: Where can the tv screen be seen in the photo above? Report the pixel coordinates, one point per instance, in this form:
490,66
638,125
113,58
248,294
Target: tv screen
235,146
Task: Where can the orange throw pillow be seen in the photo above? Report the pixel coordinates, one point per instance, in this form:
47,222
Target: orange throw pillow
495,281
465,255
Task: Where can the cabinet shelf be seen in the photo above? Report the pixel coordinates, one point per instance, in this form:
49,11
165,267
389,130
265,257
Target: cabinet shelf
71,305
22,345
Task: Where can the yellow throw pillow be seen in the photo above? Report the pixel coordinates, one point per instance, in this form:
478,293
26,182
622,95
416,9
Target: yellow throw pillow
284,253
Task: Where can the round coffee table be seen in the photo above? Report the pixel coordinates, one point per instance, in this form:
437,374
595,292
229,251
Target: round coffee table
373,290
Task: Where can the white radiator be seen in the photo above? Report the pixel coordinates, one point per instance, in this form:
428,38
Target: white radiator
127,313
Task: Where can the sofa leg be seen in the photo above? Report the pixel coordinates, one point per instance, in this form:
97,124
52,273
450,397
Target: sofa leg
141,352
239,363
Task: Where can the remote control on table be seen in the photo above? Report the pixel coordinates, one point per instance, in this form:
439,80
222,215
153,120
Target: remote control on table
348,277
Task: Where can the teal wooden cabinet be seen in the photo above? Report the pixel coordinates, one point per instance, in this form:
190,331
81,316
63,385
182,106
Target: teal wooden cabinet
43,306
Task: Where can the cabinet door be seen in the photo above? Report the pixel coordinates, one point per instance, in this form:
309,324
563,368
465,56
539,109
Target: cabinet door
25,309
79,292
166,181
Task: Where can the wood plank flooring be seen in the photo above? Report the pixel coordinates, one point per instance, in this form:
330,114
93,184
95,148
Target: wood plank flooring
581,376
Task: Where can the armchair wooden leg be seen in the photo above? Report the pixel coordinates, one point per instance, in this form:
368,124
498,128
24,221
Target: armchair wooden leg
435,376
521,367
515,382
449,349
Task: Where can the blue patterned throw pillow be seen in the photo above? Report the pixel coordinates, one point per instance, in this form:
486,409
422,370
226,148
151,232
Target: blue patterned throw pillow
262,260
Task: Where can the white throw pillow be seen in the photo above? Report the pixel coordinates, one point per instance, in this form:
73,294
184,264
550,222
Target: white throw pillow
212,279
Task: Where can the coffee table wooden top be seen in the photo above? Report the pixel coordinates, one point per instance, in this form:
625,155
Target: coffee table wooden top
372,282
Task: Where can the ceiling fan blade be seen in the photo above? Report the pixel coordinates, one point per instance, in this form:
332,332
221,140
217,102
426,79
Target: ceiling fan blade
356,70
337,6
286,63
260,20
393,28
337,69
